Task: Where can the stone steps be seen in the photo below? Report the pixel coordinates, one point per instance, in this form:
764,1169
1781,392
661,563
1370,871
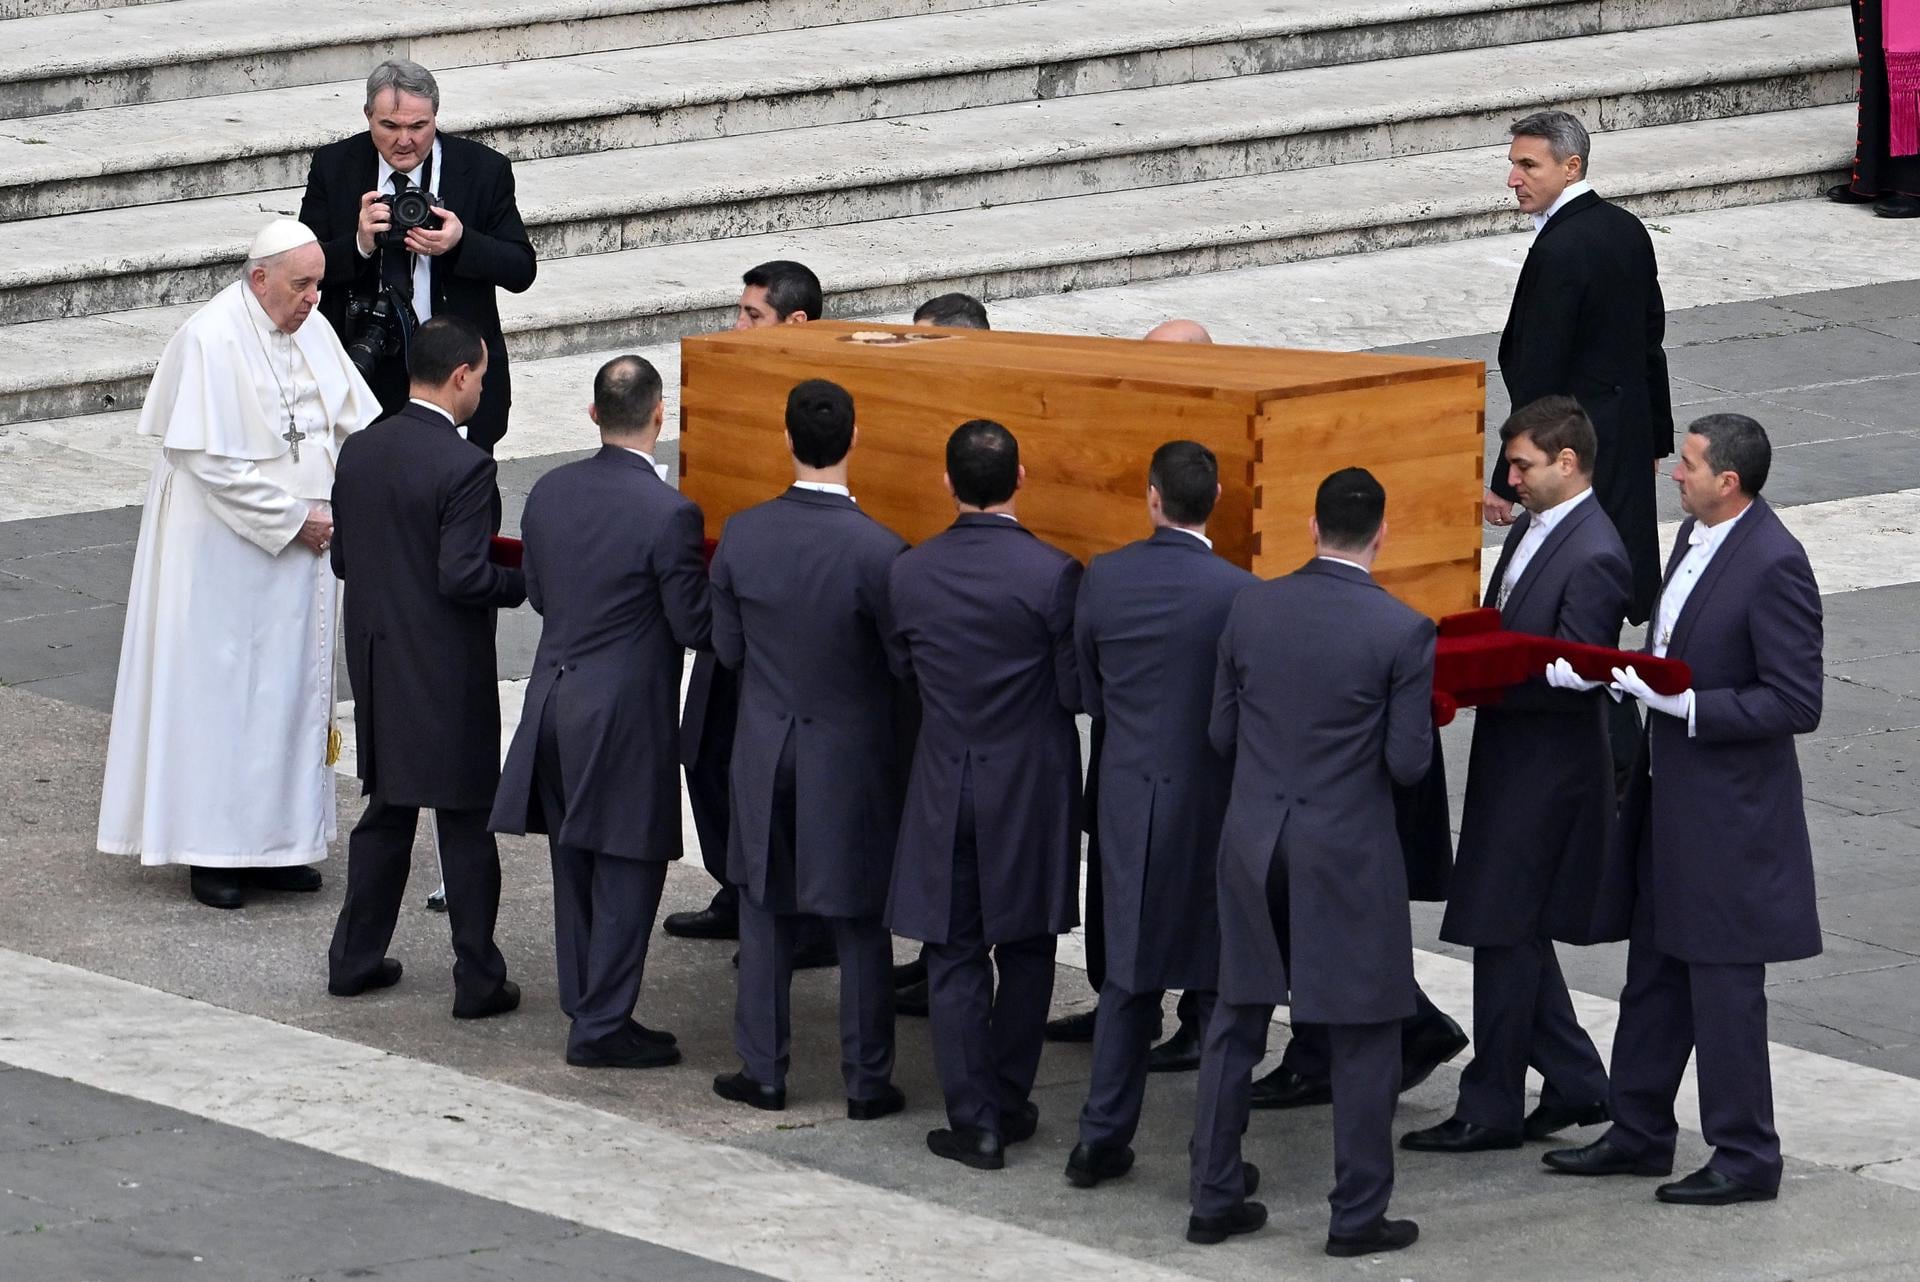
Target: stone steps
260,140
115,260
652,295
111,57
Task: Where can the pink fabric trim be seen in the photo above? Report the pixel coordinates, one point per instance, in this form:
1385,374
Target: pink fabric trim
1901,35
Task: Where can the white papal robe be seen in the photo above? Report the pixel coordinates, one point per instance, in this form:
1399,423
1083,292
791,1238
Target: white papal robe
218,749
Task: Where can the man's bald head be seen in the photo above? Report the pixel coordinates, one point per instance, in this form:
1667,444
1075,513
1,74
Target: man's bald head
1179,331
627,402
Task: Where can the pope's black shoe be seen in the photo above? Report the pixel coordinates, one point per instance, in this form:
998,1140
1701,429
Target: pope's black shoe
1284,1088
1210,1230
1708,1187
707,923
1427,1045
1456,1136
981,1150
624,1049
885,1104
1601,1158
742,1089
217,887
297,878
386,977
1073,1028
503,999
1844,194
911,1000
1178,1054
1018,1126
1089,1164
1550,1119
1896,205
1382,1235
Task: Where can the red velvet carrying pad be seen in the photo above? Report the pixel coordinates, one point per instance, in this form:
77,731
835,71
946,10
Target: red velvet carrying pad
1475,662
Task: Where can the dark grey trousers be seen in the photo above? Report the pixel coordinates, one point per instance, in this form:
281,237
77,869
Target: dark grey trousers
1123,1033
1522,1015
1670,1010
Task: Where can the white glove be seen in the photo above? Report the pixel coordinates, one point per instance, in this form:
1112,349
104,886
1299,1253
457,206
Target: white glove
1561,676
1629,683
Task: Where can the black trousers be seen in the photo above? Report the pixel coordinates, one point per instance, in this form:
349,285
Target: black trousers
987,1035
1123,1033
1310,1054
1364,1063
708,778
603,912
1523,1015
379,857
769,932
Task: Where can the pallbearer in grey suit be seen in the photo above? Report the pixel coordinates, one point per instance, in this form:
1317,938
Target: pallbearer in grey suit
800,612
613,564
1537,828
988,868
1323,695
1714,813
1147,632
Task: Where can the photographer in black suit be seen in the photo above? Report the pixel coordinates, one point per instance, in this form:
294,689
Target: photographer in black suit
380,263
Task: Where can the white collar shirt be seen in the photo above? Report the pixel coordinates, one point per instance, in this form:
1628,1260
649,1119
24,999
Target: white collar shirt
659,469
1193,534
1341,560
1702,543
824,487
1573,192
460,428
422,264
1539,526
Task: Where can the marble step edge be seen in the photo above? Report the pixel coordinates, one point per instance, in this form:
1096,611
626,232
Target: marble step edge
260,141
15,10
189,49
54,369
121,260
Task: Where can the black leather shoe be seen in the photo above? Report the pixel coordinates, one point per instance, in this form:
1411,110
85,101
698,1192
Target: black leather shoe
1073,1028
1382,1235
623,1050
1178,1054
1426,1047
981,1150
1456,1136
907,974
1018,1126
1088,1165
742,1089
297,878
1549,1119
911,1000
385,977
707,923
1844,194
885,1104
820,954
503,999
657,1036
1211,1230
1897,206
1284,1088
1601,1158
1252,1175
217,887
1708,1187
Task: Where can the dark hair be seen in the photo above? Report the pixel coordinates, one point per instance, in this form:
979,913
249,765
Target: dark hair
440,347
1188,478
1349,507
1737,444
791,287
820,422
624,393
983,462
955,311
1555,423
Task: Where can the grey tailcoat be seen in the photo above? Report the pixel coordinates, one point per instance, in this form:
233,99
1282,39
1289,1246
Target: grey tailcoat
1324,696
1147,629
983,623
613,562
800,608
1537,828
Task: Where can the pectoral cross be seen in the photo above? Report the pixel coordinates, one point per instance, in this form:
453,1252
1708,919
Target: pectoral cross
293,436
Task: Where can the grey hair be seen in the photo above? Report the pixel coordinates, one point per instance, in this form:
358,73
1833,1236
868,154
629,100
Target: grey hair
403,76
1564,133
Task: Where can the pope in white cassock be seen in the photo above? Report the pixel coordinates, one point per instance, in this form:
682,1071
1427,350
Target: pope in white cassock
222,718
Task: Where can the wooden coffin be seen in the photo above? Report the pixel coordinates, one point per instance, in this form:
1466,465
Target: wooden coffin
1088,413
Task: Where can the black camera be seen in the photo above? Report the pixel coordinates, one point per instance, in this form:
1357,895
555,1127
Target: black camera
379,325
410,209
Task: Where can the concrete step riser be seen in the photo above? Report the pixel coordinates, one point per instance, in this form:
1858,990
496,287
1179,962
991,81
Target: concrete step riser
1121,172
120,393
536,138
275,69
47,8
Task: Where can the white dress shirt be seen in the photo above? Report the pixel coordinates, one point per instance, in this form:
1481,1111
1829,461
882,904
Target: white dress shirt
659,469
1341,560
1539,526
825,487
458,427
1573,191
1701,545
422,264
1193,533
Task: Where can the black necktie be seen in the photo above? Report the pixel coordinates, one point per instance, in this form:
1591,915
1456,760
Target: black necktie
396,267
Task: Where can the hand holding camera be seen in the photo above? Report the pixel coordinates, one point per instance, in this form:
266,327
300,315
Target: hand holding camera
409,219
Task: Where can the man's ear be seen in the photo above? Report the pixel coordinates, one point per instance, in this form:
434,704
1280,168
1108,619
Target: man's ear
947,481
796,317
593,414
1020,477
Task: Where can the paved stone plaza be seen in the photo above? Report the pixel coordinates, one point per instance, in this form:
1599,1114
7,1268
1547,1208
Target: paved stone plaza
184,1100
